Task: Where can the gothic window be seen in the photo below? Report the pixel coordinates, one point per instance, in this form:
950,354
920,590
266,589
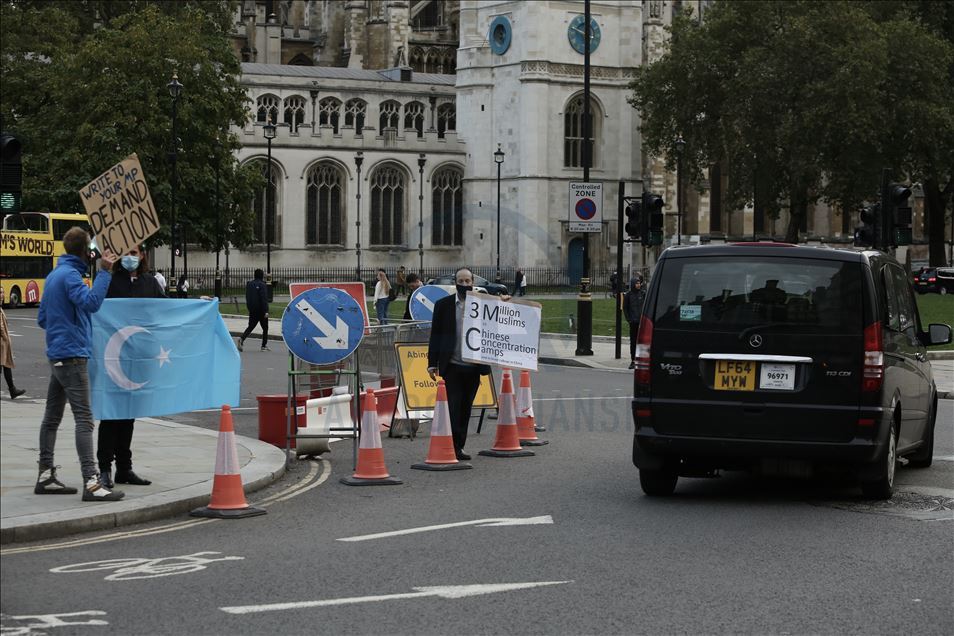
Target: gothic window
449,61
267,108
301,60
329,112
294,112
418,59
447,205
414,118
265,218
573,133
390,115
324,222
446,119
387,206
355,112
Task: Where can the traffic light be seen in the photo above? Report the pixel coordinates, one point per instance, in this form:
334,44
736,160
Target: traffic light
897,218
634,218
652,210
11,174
866,233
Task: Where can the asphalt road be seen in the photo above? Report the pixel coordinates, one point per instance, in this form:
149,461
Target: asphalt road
737,554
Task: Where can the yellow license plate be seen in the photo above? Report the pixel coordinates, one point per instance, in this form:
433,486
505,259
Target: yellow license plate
734,375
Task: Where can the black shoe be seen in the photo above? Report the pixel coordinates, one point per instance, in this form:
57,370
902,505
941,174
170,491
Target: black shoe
265,348
632,365
462,456
239,343
106,478
15,393
129,477
95,491
48,484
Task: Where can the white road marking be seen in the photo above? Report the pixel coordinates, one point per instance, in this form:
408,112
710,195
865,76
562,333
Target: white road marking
445,592
480,523
130,569
46,621
944,458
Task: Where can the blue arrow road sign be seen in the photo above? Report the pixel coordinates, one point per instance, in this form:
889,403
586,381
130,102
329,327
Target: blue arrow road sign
323,325
423,299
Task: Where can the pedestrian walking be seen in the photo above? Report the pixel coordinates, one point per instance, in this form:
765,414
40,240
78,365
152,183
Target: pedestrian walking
131,279
401,281
383,295
523,284
161,280
65,312
614,284
6,353
413,282
256,299
633,308
518,282
182,287
462,379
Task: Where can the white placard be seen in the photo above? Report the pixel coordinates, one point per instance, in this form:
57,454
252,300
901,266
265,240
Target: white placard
586,207
506,334
777,376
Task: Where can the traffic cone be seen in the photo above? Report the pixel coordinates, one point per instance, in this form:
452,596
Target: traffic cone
526,428
228,496
440,454
371,470
507,441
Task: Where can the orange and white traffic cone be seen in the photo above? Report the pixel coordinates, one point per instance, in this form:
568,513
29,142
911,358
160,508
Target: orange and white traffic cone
371,470
440,454
228,496
507,441
526,428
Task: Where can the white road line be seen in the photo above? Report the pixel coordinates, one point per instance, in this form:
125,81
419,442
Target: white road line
481,523
587,397
944,458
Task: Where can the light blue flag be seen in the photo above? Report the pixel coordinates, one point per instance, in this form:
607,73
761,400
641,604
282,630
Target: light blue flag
158,356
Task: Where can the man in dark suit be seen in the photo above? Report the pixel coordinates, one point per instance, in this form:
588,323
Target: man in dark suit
462,379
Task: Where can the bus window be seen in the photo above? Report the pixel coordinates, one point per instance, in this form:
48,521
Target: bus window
26,267
26,222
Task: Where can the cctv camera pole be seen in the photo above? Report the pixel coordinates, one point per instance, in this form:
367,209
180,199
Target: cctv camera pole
618,295
584,304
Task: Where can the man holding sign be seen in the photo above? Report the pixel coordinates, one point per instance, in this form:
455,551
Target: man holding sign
444,357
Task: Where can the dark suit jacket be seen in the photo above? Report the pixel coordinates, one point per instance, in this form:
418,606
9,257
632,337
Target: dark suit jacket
444,336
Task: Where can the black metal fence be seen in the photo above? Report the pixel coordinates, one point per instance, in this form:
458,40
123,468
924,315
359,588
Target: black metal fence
540,280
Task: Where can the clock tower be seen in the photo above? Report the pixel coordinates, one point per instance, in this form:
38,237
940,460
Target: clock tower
520,85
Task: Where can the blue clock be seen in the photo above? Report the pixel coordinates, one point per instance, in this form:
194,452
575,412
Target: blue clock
500,35
575,33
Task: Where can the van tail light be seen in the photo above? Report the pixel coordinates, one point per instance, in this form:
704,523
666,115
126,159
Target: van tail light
644,341
873,371
932,279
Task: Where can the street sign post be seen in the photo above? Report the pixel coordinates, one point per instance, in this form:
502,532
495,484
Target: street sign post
586,207
423,299
323,325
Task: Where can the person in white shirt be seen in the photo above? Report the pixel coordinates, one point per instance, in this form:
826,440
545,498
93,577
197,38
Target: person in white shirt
161,279
382,296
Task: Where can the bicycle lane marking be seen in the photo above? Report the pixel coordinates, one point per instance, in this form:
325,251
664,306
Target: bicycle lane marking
130,569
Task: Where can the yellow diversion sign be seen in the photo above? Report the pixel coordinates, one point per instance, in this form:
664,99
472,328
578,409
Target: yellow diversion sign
22,244
420,392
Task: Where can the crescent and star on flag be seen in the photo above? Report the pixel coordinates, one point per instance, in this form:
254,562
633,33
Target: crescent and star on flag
111,357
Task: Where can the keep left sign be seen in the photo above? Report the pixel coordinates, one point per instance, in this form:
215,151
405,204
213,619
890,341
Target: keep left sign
120,208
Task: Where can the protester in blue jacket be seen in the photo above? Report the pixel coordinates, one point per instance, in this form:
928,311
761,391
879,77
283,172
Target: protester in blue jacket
65,311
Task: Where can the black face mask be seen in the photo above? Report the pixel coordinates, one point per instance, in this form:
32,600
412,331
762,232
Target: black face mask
462,290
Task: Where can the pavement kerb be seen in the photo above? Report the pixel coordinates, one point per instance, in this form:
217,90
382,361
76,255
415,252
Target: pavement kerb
266,466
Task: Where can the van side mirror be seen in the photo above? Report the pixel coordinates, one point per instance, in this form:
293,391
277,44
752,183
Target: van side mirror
938,334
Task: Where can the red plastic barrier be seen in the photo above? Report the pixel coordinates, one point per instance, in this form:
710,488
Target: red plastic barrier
387,401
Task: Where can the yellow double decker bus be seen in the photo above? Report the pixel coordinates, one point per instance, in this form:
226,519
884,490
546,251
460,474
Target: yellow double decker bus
30,244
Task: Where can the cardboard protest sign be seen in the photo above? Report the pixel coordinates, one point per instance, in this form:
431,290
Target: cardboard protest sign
506,334
120,208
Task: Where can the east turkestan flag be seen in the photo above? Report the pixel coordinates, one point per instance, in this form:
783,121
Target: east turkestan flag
158,356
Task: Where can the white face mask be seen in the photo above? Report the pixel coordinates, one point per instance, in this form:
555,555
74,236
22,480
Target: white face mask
130,263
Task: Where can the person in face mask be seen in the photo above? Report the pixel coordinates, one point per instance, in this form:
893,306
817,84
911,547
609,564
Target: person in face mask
131,279
462,379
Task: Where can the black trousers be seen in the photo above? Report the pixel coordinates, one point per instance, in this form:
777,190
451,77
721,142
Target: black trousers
462,384
257,319
633,332
115,439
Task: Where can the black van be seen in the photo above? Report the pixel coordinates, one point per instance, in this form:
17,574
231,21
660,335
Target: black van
779,358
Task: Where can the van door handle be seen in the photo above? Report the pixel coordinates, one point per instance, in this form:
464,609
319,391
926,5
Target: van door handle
920,356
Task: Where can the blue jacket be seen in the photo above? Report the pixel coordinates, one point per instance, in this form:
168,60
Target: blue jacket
66,307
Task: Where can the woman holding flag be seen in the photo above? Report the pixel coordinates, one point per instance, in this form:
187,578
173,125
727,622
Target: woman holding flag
131,279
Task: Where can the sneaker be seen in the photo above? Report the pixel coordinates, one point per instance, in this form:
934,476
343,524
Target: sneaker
95,491
238,343
48,484
265,348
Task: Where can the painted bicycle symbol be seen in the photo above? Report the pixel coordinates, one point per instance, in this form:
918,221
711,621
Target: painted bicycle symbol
132,568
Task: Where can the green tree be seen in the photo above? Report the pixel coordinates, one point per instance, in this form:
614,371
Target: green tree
806,99
85,84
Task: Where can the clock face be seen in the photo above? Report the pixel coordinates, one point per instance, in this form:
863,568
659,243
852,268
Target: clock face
576,36
500,35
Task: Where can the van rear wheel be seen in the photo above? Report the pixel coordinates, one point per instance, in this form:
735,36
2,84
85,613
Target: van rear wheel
658,483
883,486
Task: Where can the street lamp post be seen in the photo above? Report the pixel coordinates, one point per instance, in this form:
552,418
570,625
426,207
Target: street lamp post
680,150
498,159
421,160
218,219
175,90
269,219
358,160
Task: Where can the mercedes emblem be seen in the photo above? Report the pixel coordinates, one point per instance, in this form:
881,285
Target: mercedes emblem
755,341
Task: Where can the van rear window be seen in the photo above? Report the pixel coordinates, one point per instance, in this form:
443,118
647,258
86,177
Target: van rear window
728,293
